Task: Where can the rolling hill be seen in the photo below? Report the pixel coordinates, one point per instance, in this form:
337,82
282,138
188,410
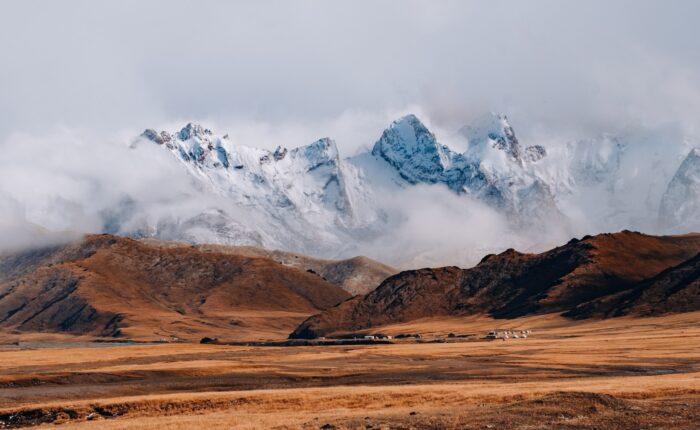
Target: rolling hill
582,274
674,290
356,275
110,286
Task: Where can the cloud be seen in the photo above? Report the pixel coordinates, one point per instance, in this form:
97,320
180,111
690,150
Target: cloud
79,181
428,226
81,78
112,65
62,181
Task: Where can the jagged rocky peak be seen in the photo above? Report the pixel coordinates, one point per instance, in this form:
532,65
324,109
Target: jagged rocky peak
694,154
154,136
323,149
311,186
413,150
193,143
407,137
680,204
407,134
187,132
151,135
193,130
492,131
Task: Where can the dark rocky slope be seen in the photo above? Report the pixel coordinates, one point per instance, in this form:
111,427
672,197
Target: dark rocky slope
513,284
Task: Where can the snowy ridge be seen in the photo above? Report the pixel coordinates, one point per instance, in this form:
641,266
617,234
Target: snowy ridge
680,204
310,199
492,131
299,196
491,170
412,149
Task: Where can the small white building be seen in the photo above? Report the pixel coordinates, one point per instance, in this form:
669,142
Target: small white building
507,334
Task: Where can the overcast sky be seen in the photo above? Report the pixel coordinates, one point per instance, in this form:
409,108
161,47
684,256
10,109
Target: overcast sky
325,67
80,79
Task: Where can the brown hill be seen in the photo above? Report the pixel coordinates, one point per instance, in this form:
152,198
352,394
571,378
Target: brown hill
357,275
676,289
512,284
113,286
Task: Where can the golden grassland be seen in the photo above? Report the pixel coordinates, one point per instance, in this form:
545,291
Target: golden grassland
625,373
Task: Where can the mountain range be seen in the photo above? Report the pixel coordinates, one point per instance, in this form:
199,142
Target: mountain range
311,200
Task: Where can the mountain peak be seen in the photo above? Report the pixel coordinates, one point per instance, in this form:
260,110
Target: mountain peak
492,131
322,151
154,136
186,133
409,119
407,133
323,144
413,150
680,204
193,130
151,135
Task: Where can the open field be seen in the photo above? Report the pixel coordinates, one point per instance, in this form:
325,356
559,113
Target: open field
617,373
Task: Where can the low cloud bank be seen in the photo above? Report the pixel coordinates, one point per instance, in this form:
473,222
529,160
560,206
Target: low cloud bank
70,182
430,226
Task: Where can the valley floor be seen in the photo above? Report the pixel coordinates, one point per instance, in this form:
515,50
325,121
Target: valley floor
613,374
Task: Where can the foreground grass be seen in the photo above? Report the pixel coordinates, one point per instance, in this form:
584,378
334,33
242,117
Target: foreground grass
626,374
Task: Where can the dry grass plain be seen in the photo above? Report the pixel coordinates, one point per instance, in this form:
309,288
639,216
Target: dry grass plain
613,374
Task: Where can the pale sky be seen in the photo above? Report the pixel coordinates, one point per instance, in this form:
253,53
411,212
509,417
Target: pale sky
80,79
580,66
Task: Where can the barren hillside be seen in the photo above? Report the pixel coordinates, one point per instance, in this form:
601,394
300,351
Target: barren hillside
513,284
117,287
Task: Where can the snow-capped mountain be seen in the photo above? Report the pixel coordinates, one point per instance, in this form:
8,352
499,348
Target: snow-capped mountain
304,198
493,169
312,200
616,182
680,204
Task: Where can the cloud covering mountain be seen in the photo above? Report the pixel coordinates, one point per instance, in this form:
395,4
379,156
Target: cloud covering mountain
603,116
409,200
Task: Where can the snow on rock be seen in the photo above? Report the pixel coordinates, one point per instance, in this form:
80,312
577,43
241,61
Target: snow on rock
680,204
617,181
412,149
309,199
492,131
491,170
303,198
535,153
596,160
